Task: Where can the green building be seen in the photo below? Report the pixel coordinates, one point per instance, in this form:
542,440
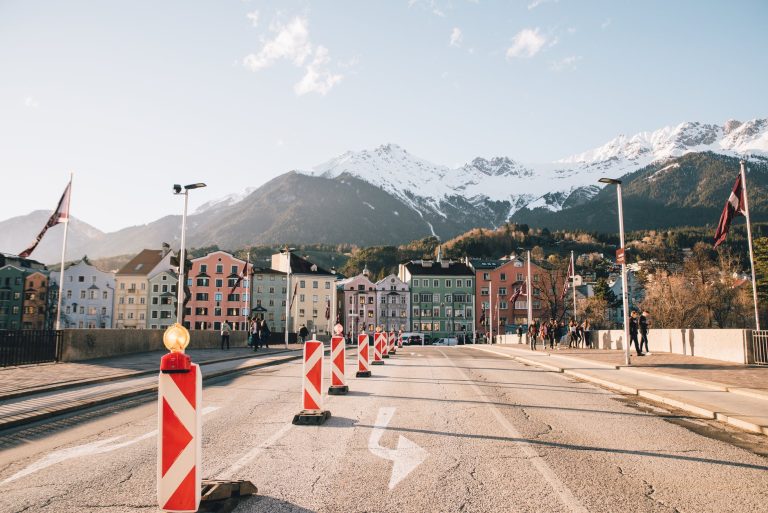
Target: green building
13,273
442,296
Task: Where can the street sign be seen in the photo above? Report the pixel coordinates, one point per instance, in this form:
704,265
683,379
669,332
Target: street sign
620,256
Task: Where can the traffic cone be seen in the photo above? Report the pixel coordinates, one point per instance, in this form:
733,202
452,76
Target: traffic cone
312,412
363,357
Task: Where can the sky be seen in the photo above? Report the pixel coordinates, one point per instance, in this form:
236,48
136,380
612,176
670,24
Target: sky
134,96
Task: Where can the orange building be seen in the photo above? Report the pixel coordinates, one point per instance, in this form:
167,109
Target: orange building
215,294
34,314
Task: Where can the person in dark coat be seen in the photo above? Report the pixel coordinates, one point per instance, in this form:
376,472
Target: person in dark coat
303,333
643,325
633,329
264,333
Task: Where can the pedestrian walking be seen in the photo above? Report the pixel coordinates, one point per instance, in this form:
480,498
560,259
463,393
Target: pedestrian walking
543,335
633,329
225,329
253,334
532,337
264,334
587,334
303,332
552,332
571,334
644,325
520,334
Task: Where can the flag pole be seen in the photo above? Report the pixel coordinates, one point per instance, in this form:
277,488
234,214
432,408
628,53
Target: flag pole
247,295
749,238
573,283
529,292
490,310
64,250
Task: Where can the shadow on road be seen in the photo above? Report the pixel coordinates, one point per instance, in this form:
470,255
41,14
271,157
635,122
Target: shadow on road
271,504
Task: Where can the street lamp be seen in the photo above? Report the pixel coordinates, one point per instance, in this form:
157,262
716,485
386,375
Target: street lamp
625,303
177,189
287,252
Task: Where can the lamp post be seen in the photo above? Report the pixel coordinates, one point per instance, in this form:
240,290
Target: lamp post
177,189
624,302
287,252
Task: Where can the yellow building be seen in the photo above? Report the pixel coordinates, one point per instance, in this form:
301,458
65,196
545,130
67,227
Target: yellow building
132,287
312,291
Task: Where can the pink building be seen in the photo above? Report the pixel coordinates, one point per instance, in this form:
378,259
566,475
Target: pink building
215,294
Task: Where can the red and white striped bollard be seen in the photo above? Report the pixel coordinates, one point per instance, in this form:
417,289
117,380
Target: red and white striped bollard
363,357
312,385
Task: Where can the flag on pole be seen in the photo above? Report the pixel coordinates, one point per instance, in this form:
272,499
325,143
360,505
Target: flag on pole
240,278
735,206
295,289
60,215
570,275
516,294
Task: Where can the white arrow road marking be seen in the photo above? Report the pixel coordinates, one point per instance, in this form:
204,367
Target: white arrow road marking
405,458
98,447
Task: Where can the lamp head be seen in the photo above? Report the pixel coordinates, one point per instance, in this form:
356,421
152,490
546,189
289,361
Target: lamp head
612,181
176,188
194,186
176,338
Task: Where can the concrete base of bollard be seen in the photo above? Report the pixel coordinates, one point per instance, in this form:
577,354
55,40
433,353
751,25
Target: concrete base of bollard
363,374
377,362
338,390
311,417
223,496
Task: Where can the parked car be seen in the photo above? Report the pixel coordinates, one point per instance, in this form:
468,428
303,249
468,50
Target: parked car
446,342
412,339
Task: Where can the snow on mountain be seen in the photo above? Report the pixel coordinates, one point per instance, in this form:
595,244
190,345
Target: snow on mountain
423,184
226,201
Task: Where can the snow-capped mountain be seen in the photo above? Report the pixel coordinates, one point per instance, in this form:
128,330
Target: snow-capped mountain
226,201
565,182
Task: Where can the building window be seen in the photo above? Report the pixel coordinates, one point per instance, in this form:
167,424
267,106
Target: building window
484,291
201,296
82,294
486,276
203,268
519,276
502,291
234,269
415,282
459,284
314,298
301,312
154,300
535,277
143,300
69,294
155,288
314,284
104,295
448,284
302,284
503,277
435,283
219,268
217,296
131,300
202,282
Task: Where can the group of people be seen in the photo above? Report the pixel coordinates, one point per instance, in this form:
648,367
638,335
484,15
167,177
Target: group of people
258,334
575,334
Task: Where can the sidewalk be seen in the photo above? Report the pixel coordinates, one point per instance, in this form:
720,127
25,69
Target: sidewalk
733,393
30,379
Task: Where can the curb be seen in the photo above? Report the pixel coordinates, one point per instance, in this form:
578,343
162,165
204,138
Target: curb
739,421
714,385
16,421
115,377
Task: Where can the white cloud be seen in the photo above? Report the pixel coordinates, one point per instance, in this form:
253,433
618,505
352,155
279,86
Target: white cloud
527,43
291,42
535,3
571,30
318,79
456,37
31,103
254,17
605,24
565,63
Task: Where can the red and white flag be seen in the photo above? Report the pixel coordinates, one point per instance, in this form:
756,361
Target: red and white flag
735,206
571,272
60,215
240,278
516,295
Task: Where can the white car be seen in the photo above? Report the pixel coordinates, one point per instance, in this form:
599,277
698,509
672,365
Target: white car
446,342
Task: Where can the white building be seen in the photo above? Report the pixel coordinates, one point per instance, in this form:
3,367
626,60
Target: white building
87,295
394,300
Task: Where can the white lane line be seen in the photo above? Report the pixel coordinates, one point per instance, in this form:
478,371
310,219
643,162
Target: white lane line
562,491
253,453
405,458
97,447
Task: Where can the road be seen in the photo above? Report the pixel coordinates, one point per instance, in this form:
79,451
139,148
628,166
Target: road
434,430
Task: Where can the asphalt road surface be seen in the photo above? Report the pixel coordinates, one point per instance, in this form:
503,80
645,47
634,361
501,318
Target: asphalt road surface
434,430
